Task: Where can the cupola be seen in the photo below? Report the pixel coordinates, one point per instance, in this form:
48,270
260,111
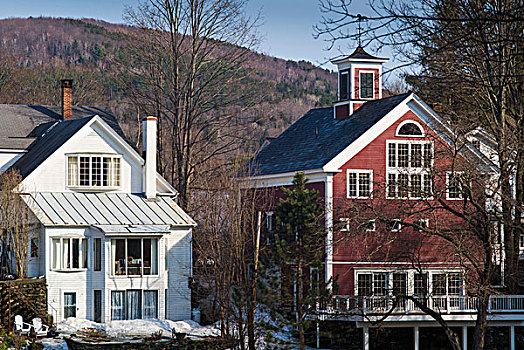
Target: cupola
359,81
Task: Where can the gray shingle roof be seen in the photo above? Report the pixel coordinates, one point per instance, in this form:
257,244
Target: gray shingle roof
20,124
47,144
362,54
316,138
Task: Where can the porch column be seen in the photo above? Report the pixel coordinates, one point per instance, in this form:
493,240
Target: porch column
365,332
464,338
415,336
512,337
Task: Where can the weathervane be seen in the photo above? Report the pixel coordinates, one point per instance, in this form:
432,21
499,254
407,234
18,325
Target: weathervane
359,19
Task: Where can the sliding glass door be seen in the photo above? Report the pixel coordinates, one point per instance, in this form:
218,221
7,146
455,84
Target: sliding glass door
133,304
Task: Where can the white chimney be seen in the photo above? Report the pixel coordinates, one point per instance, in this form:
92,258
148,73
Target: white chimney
149,148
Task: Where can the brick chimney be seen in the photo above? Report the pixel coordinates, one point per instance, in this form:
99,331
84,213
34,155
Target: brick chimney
149,126
67,98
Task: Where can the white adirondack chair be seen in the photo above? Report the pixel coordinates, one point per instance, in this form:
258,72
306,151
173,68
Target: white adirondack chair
40,328
20,326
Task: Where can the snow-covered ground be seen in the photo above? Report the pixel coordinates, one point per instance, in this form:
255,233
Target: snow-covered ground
129,328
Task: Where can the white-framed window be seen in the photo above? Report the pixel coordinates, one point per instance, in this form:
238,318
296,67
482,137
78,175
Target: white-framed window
344,224
409,186
420,224
372,284
369,225
410,128
454,186
271,226
134,304
344,85
359,183
409,155
69,304
69,253
134,256
93,171
367,85
393,225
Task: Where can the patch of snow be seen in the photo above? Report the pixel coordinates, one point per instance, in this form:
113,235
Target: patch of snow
53,344
139,327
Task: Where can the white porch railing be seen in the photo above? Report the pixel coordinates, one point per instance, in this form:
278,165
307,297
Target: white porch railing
347,304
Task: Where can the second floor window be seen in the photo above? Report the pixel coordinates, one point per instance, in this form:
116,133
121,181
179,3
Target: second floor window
85,170
359,183
69,253
134,256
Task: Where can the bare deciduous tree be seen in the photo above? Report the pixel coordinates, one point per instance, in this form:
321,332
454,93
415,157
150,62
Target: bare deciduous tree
187,69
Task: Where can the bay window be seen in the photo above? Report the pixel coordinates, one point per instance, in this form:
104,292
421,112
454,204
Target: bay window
134,256
69,253
90,170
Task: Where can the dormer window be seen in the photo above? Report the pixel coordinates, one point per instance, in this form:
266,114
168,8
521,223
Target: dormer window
344,85
93,171
366,85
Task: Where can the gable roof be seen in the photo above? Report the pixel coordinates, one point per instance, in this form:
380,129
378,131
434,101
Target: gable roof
317,137
21,125
47,144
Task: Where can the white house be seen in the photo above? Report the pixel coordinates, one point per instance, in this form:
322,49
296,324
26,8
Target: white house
111,241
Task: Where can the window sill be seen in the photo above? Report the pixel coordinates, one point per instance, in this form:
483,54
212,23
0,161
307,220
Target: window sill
93,188
134,276
69,270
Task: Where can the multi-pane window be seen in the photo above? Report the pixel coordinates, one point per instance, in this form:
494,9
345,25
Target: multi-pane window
93,171
134,304
365,284
400,283
454,284
455,189
393,225
69,253
409,129
359,183
69,305
439,284
401,185
134,256
344,85
375,284
366,85
406,154
420,284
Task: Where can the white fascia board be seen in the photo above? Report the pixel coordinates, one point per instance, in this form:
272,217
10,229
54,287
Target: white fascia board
431,118
282,179
7,150
365,139
171,189
117,138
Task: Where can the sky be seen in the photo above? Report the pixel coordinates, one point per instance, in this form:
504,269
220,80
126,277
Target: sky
286,27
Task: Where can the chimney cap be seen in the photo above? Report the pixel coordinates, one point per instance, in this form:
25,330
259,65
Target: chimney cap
66,83
150,117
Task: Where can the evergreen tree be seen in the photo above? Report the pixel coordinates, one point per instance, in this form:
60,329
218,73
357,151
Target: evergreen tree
299,247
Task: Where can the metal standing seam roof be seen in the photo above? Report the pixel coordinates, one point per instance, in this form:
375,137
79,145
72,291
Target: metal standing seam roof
102,209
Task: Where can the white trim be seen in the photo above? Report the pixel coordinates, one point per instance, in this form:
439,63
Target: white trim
448,174
365,139
360,85
410,121
358,172
329,226
395,228
282,179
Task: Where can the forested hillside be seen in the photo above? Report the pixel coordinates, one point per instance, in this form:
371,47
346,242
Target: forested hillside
35,53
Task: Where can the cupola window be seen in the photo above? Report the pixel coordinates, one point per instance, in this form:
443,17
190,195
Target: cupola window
366,85
344,85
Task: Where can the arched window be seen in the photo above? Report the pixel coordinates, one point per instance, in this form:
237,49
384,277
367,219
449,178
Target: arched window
410,128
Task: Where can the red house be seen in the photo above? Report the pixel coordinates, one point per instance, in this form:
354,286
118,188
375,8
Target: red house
380,164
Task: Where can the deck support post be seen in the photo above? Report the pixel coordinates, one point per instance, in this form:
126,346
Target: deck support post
365,334
416,337
465,338
512,337
318,335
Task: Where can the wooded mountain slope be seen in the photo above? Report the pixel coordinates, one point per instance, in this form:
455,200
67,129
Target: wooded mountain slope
35,53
